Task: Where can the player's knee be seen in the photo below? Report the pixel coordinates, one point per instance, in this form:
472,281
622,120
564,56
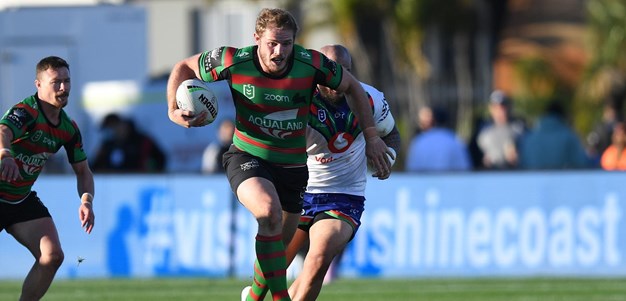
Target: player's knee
271,221
52,259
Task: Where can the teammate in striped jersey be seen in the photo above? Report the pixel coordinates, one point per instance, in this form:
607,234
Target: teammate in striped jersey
272,84
30,132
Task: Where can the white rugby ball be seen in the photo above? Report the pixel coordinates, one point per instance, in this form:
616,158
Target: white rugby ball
194,95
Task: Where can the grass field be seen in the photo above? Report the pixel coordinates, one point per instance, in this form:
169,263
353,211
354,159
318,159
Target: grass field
483,289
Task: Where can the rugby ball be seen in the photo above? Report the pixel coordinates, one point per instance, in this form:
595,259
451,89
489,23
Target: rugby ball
371,168
195,96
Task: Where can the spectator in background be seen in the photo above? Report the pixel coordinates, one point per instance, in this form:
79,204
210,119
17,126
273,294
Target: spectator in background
499,140
614,157
436,148
600,137
552,144
212,156
124,149
475,153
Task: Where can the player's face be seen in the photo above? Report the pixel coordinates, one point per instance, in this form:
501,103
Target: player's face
53,86
275,47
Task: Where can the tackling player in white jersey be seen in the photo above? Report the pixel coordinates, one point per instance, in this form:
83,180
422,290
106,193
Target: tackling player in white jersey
335,194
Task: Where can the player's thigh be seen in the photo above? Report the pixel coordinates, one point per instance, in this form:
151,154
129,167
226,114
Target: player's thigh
328,237
39,236
259,196
298,241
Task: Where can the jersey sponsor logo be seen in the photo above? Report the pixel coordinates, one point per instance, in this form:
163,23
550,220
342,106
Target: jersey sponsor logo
49,142
299,99
243,54
249,165
212,60
340,142
276,97
248,91
32,164
322,160
18,117
278,124
305,55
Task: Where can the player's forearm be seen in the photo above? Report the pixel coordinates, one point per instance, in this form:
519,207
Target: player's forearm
5,138
181,71
393,139
84,181
360,106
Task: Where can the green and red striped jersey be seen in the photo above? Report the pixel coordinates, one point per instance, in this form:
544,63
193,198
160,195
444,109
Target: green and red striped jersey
271,112
35,139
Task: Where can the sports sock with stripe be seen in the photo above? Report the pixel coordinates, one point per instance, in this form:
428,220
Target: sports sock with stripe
270,269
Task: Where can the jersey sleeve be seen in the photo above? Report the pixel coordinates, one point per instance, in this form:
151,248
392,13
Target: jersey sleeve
382,115
19,118
212,63
74,147
333,72
330,73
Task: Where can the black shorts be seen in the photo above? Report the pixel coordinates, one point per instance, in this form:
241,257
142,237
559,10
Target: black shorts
29,208
290,182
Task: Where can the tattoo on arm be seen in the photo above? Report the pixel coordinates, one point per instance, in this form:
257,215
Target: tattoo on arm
393,139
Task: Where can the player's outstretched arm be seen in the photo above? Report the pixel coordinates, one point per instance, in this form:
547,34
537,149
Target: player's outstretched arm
185,69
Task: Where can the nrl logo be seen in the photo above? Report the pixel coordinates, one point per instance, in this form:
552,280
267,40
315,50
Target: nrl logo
321,115
248,91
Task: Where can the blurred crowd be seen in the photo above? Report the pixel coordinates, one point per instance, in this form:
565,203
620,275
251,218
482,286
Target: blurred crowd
500,140
503,141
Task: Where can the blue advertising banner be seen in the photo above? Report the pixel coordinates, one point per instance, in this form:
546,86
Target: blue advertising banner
466,224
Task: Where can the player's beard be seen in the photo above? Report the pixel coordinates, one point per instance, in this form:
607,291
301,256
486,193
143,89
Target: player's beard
331,95
276,65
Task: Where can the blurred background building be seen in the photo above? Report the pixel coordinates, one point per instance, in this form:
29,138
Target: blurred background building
449,54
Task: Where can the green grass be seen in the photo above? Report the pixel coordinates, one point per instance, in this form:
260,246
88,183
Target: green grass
483,289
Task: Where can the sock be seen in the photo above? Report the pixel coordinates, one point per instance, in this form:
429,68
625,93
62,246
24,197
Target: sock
259,284
271,270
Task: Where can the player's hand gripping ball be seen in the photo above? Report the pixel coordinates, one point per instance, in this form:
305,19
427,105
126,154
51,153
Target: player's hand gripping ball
194,95
392,159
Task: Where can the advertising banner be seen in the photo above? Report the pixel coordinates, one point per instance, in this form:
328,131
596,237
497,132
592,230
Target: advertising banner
468,224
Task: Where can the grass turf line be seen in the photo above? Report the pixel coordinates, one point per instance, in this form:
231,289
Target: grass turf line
445,289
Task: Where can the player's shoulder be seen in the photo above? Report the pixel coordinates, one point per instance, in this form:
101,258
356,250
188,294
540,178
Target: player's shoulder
372,91
226,56
28,105
312,57
303,54
377,97
240,54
